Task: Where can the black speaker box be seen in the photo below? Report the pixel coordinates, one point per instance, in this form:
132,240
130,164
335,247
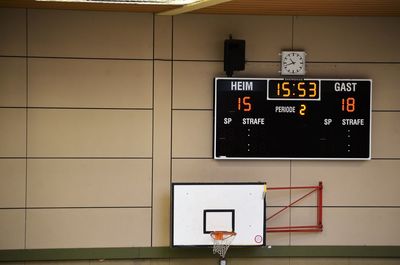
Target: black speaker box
234,55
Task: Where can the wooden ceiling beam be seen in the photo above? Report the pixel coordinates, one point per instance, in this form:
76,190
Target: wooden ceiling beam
242,7
192,7
86,6
307,7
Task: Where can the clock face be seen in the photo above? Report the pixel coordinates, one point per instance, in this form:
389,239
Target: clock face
293,63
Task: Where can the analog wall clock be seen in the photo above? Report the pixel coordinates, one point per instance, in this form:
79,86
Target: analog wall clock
293,63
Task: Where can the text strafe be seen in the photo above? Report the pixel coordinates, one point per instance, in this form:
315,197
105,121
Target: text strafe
355,122
253,121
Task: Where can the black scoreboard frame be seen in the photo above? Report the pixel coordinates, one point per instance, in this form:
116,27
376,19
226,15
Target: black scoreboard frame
296,98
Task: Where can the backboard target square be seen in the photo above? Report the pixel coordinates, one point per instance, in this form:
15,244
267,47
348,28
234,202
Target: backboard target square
219,220
197,209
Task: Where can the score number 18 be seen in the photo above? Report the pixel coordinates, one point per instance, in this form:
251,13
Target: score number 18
348,104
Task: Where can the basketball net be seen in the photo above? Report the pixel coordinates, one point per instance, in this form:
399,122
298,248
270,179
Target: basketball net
222,240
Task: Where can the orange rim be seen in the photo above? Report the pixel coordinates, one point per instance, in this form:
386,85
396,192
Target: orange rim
220,235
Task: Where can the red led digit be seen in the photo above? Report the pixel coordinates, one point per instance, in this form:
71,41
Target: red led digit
245,102
349,104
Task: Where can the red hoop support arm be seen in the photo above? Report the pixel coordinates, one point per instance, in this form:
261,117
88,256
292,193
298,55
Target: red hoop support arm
318,227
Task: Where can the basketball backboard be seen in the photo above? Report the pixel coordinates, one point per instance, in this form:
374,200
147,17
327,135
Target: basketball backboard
197,209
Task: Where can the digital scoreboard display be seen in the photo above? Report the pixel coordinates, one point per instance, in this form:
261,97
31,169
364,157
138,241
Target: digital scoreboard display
272,118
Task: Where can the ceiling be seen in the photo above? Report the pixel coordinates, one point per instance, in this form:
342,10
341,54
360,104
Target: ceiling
249,7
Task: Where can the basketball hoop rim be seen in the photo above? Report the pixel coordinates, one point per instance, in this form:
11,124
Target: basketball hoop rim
221,235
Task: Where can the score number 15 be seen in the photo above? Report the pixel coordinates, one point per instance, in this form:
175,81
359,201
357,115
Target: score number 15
243,103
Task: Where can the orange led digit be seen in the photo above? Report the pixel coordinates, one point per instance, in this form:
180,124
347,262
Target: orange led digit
351,105
313,89
303,108
278,91
300,87
245,102
286,89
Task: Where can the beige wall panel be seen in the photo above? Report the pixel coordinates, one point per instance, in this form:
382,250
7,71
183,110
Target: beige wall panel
260,69
322,70
355,183
12,228
80,228
194,81
192,134
161,153
275,173
310,199
90,83
282,219
89,183
348,39
278,239
68,33
349,226
89,133
13,31
12,132
12,183
201,37
163,37
12,82
385,135
194,84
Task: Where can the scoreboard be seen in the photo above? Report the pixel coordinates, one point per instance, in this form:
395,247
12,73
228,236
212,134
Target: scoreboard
276,118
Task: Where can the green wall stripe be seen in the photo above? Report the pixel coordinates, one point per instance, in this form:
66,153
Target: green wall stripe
167,252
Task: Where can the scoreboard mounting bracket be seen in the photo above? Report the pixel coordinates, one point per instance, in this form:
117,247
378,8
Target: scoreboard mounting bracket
277,118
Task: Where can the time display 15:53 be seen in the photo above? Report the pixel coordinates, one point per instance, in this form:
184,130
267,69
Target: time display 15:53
294,89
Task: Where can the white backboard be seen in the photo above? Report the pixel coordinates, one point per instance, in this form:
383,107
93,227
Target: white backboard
199,208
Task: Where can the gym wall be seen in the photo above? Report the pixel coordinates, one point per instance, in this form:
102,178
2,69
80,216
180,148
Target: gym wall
101,111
